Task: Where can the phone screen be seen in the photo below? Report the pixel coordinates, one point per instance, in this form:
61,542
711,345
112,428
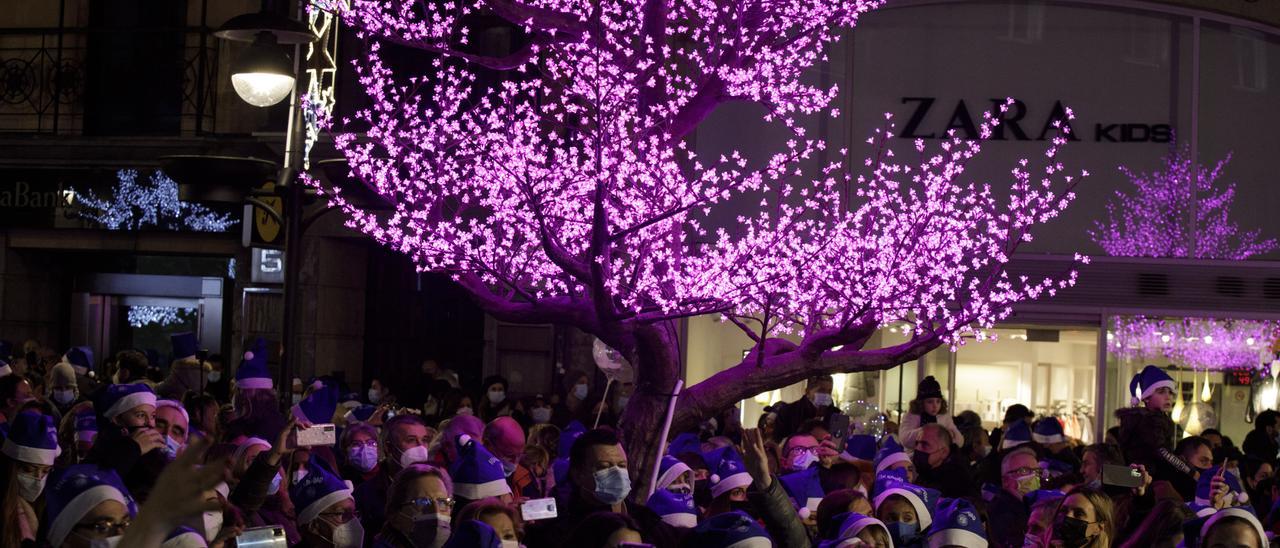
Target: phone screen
838,425
1121,476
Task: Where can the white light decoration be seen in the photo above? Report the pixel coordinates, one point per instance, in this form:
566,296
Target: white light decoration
135,205
143,315
262,89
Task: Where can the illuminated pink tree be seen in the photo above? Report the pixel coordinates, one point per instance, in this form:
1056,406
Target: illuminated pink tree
568,192
1154,218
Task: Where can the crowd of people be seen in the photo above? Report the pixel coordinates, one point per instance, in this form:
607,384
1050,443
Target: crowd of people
193,457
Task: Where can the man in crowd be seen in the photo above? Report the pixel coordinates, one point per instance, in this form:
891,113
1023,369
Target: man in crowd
816,403
1261,441
404,442
939,464
1019,476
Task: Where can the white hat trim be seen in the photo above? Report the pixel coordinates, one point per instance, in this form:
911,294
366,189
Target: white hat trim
741,479
244,448
1147,391
78,507
129,402
188,539
174,405
312,511
753,542
957,537
33,455
668,477
891,460
5,370
681,519
255,382
922,513
477,491
1056,438
1238,512
850,533
1007,443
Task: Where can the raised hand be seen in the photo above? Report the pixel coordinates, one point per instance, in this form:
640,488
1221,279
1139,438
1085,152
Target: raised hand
754,458
178,497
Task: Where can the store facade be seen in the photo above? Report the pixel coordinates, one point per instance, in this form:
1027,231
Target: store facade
1144,79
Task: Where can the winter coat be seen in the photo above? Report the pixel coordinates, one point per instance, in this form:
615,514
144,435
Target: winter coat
371,502
1258,444
913,425
184,375
112,449
953,478
780,518
1008,523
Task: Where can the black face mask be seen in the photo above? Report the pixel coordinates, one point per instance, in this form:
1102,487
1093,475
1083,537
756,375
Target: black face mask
921,460
1071,531
702,493
744,506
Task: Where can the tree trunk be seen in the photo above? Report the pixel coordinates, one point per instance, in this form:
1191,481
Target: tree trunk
657,367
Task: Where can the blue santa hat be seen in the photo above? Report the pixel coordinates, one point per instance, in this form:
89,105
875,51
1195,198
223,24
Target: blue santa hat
727,470
1018,434
1204,489
852,523
1243,512
80,358
252,372
1048,430
184,537
473,534
316,491
675,509
477,473
956,524
730,529
319,406
185,345
668,470
1146,382
32,438
802,486
686,442
119,398
890,454
560,466
361,413
921,498
86,426
859,447
76,491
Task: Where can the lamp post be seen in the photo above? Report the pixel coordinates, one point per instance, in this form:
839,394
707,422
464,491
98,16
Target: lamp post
262,76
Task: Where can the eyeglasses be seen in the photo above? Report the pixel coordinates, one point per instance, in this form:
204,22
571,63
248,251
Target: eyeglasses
426,504
1024,471
340,517
797,450
104,528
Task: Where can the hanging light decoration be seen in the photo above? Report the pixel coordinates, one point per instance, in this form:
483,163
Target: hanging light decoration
1178,406
1206,393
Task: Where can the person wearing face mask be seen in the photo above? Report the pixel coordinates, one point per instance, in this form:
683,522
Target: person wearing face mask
256,404
477,474
404,443
674,476
128,440
1084,520
939,465
419,509
893,457
85,431
217,381
15,392
576,402
539,410
62,388
28,455
172,422
505,439
501,517
1019,476
729,481
494,401
259,486
88,506
327,515
905,508
359,449
599,481
816,403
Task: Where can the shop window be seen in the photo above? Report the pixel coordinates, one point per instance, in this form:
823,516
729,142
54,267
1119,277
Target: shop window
1026,22
1148,40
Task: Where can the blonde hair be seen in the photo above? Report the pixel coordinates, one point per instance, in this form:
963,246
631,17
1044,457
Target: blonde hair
1103,512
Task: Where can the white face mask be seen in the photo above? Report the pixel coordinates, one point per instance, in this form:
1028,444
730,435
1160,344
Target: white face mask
804,460
349,535
215,376
109,542
374,396
541,415
680,488
212,525
430,530
413,455
30,487
821,399
64,397
464,411
496,396
580,391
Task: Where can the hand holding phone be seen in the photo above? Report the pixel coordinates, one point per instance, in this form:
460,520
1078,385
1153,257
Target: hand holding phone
1121,476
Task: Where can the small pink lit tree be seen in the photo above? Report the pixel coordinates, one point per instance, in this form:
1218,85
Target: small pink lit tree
1154,219
569,194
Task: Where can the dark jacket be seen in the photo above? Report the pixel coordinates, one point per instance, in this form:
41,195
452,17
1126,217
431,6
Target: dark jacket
953,478
114,450
780,518
796,413
553,532
371,502
1008,523
1258,444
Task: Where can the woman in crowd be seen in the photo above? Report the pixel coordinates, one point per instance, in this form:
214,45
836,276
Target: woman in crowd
359,449
419,509
496,514
494,401
1084,519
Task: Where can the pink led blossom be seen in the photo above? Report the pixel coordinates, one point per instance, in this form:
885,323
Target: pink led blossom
1154,218
568,193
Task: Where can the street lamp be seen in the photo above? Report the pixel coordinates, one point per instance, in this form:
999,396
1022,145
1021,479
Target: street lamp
263,75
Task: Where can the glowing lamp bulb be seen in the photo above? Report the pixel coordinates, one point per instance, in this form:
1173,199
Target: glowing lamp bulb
1164,338
262,89
1208,339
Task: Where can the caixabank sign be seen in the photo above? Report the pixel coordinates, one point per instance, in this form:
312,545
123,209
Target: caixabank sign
934,118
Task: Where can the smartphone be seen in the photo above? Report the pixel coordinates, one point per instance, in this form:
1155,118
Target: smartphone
838,425
271,536
320,434
536,509
1121,476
